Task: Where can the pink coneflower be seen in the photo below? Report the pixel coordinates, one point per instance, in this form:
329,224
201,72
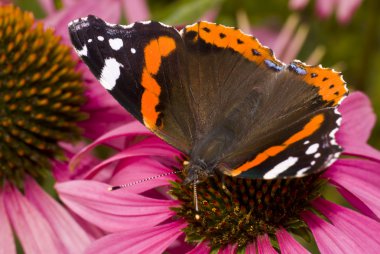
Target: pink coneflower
104,112
41,99
345,9
251,216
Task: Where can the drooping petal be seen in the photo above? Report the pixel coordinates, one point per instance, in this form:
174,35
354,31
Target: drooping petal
142,168
359,177
346,8
288,245
358,119
72,236
251,248
48,6
130,129
357,203
264,246
153,240
200,249
147,148
325,8
330,239
116,210
361,229
297,4
136,10
32,229
228,249
107,10
7,244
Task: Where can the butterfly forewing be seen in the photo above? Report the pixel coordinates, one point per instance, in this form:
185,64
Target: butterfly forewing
140,65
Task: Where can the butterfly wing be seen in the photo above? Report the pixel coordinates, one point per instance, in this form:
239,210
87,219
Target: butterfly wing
250,105
140,65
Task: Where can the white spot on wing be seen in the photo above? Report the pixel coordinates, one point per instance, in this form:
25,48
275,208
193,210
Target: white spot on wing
317,155
339,121
83,51
332,136
89,40
146,22
302,172
100,38
116,43
133,50
306,142
281,167
165,25
312,149
110,73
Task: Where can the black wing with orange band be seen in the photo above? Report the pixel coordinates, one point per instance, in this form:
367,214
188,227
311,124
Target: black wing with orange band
140,65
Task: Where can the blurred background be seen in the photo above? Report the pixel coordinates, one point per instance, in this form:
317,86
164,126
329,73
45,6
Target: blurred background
343,34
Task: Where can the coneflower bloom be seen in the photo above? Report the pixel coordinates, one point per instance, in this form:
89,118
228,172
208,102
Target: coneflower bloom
345,9
248,216
40,106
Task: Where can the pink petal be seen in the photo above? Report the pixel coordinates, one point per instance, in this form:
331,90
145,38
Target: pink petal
210,15
7,244
285,37
132,129
357,203
347,8
288,245
147,148
48,6
264,246
142,168
359,177
298,4
325,8
200,249
140,240
229,249
72,236
107,10
251,248
361,229
32,229
358,120
136,10
116,210
330,239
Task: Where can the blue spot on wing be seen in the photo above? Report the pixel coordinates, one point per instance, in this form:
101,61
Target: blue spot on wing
297,69
273,65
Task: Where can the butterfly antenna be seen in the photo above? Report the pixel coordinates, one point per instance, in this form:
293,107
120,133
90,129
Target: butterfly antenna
122,186
197,216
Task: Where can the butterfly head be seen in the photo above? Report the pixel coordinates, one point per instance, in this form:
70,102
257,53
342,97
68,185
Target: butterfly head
197,171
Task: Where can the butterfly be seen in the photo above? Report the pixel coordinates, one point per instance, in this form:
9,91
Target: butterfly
217,95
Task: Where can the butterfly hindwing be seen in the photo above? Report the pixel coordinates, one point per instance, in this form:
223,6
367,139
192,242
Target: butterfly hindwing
300,148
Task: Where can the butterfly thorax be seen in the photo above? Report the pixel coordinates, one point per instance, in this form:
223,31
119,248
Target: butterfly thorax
197,171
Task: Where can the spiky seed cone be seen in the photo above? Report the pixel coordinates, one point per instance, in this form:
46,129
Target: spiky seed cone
41,96
240,210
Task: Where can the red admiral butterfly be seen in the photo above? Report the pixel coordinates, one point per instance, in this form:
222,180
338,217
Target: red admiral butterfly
217,95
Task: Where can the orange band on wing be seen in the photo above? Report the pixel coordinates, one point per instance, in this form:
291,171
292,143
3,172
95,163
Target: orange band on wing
228,37
332,87
153,54
312,126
